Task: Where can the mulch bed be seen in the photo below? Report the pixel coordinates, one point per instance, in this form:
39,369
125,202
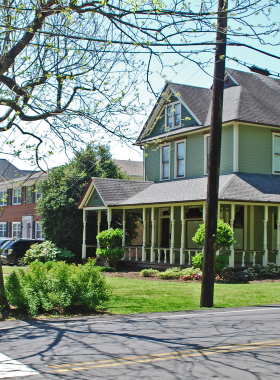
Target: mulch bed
137,275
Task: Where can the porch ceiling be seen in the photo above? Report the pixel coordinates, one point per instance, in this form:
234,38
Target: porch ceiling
244,187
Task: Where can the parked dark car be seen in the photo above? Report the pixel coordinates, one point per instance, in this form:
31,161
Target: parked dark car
14,252
3,241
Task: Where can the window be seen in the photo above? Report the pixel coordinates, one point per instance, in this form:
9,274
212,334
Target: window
180,153
3,230
39,233
165,162
173,115
38,195
17,196
3,198
29,194
17,230
206,152
276,153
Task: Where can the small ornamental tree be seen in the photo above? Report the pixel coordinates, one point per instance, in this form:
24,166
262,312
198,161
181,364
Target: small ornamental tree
224,235
112,240
224,239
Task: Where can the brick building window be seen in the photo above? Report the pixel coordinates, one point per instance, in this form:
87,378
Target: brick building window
17,196
39,232
3,230
3,198
29,194
17,230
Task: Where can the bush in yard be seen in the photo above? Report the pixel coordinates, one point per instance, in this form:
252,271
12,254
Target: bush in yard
170,273
47,251
269,271
224,235
112,240
57,284
149,272
221,262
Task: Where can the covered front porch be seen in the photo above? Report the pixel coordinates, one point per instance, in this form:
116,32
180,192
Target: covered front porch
165,232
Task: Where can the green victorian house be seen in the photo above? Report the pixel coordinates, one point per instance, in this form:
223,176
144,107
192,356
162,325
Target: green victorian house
171,199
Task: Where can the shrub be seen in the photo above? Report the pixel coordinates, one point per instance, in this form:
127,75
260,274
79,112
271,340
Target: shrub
194,276
149,272
57,284
112,240
189,271
106,269
224,235
221,262
47,251
170,274
226,271
269,271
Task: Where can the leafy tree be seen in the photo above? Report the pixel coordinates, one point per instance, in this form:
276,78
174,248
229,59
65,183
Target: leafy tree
111,240
62,221
224,235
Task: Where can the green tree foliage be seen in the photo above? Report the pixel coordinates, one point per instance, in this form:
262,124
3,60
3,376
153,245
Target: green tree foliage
112,240
45,286
62,221
224,235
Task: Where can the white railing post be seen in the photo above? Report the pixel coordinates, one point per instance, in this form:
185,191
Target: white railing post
243,259
152,256
129,253
265,255
278,237
172,261
123,237
165,257
144,256
254,258
84,247
183,236
189,257
136,253
158,252
232,218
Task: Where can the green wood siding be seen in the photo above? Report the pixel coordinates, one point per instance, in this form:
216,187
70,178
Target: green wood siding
152,163
227,150
95,199
195,155
255,149
159,126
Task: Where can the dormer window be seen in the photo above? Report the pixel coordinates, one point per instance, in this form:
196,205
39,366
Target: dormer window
173,115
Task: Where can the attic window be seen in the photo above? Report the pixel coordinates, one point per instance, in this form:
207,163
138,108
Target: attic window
173,115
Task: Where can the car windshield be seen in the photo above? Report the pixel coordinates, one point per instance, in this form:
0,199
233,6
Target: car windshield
5,245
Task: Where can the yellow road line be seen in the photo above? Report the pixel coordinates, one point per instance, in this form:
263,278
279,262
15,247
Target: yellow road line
163,356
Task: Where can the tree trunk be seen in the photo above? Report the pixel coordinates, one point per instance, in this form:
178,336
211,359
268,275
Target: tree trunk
3,299
208,277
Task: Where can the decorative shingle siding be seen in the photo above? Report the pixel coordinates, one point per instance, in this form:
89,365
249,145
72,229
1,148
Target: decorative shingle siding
95,199
195,155
255,149
152,164
227,150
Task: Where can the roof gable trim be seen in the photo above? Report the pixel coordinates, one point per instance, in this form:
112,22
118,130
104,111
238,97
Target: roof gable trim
185,105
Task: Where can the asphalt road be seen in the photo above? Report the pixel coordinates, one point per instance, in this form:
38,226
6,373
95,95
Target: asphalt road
237,343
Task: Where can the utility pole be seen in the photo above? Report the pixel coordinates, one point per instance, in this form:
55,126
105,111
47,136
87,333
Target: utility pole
208,277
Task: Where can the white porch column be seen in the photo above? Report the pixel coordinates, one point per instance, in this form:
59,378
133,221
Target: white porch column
278,236
265,255
144,257
252,227
123,223
98,226
232,217
172,220
183,236
219,211
109,217
204,212
245,227
84,247
153,256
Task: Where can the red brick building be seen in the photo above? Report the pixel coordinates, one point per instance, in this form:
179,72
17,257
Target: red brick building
18,197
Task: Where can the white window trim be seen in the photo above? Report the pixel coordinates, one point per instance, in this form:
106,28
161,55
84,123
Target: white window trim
18,223
18,198
205,153
161,173
175,159
5,196
4,229
36,195
166,116
42,234
273,144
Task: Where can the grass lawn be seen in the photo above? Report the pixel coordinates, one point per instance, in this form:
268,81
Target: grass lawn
7,269
140,296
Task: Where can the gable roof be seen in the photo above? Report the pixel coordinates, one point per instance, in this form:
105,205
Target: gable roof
9,171
242,187
254,98
131,168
